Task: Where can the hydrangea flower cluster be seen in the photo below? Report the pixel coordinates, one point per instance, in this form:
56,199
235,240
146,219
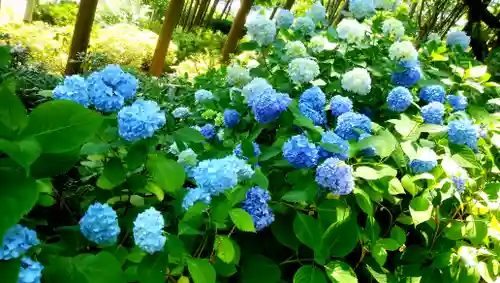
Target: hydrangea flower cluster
312,105
148,231
361,8
318,44
463,132
256,205
260,29
399,99
385,4
300,152
341,146
336,176
255,88
238,151
357,80
369,151
351,125
425,161
433,113
140,120
231,118
393,27
317,13
208,131
265,102
284,19
295,49
403,51
195,195
238,75
17,241
457,102
459,38
30,271
409,76
303,70
351,30
181,112
203,95
74,88
100,224
304,25
340,105
432,93
188,158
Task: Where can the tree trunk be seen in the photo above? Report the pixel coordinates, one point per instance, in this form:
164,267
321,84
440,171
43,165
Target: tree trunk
339,16
172,16
225,8
274,12
193,14
28,13
201,10
288,4
413,8
211,13
185,21
332,11
81,34
236,30
228,10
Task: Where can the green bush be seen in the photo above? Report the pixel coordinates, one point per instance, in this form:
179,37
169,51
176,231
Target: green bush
197,41
63,14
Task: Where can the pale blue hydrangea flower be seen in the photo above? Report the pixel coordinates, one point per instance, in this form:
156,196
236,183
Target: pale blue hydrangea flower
284,19
340,105
123,83
432,93
295,49
208,131
312,105
317,13
100,224
255,88
260,29
188,158
140,120
457,102
318,43
399,99
195,195
148,231
17,241
425,161
303,70
238,151
336,176
300,153
403,51
393,27
463,132
267,106
458,38
409,76
433,113
304,25
30,271
238,75
350,125
203,95
220,135
351,30
231,118
357,81
74,88
369,151
341,150
181,112
256,205
361,8
243,169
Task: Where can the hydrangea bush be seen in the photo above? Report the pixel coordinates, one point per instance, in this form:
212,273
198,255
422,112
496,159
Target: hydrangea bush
368,160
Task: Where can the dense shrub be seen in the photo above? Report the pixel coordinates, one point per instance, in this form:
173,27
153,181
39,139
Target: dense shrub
197,41
63,14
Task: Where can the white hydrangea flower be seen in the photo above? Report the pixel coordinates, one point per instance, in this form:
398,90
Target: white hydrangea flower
393,27
295,49
238,75
261,29
357,80
318,43
351,30
434,37
284,19
403,51
303,70
187,157
385,4
304,25
361,8
317,13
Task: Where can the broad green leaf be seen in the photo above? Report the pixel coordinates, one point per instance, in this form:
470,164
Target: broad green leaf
137,155
113,175
341,237
485,270
242,220
395,187
156,190
420,210
283,232
260,179
302,193
409,185
100,268
168,174
152,268
404,126
10,270
260,269
309,274
369,173
13,115
224,247
308,230
454,230
220,209
25,152
62,270
398,234
364,202
372,229
433,129
48,165
389,244
201,270
62,125
476,229
340,272
93,148
379,254
384,143
189,135
224,269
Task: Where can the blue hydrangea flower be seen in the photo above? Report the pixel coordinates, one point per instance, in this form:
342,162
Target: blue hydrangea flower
304,25
300,153
208,131
284,19
255,88
181,112
30,271
100,224
458,38
74,88
303,70
409,76
369,151
317,13
433,113
432,93
238,151
231,118
256,205
267,106
195,195
260,29
140,120
203,95
336,176
124,84
340,105
399,99
463,132
17,241
459,182
312,105
457,102
148,231
342,146
361,8
243,170
425,161
350,125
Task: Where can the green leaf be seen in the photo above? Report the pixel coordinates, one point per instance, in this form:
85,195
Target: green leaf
395,187
341,237
379,172
404,126
13,115
25,152
309,274
260,179
372,229
363,201
305,193
476,230
152,268
389,244
100,268
398,234
201,270
283,232
379,254
137,155
224,269
48,165
420,210
384,143
242,220
168,174
455,230
308,230
10,270
62,125
340,272
189,135
113,174
224,247
260,269
409,185
433,129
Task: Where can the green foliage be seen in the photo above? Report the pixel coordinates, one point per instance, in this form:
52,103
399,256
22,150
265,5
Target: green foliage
63,14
